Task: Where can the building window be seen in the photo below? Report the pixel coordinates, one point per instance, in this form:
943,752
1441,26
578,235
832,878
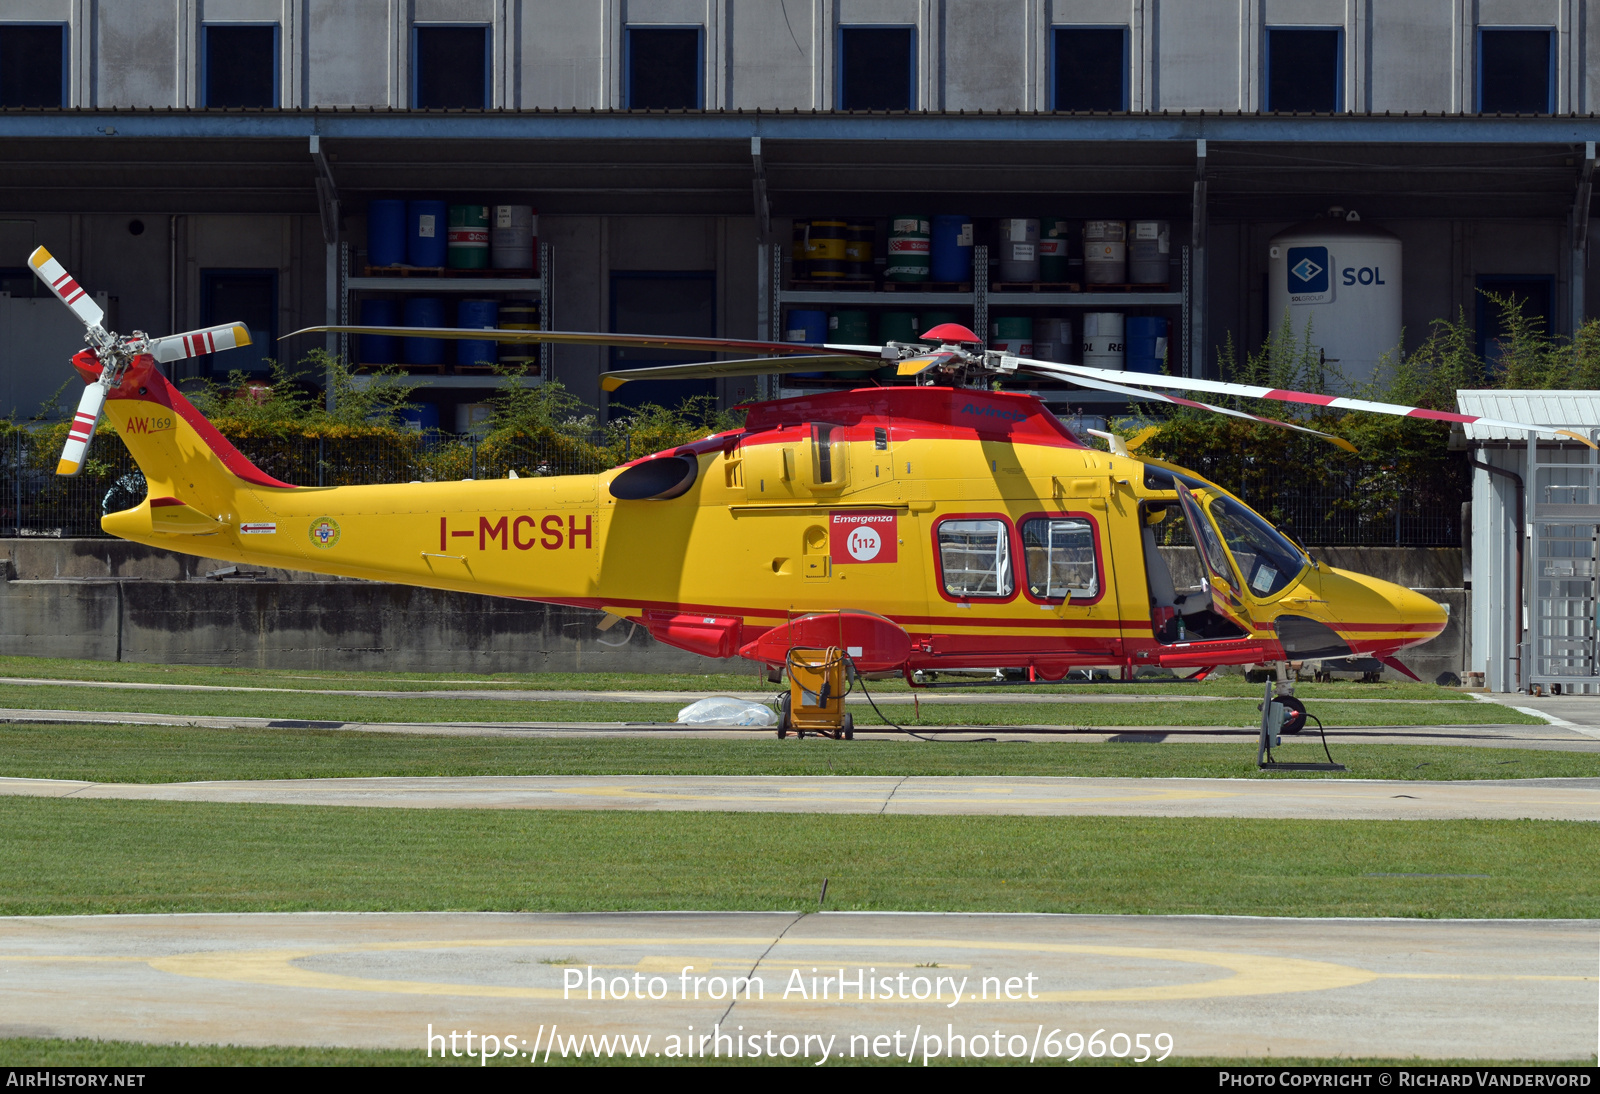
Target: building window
240,296
877,68
1089,68
1516,72
450,68
33,64
663,68
666,302
1304,71
1499,297
975,558
239,65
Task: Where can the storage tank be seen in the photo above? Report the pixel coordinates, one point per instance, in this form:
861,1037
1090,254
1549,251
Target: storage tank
1019,250
1103,342
513,238
1342,277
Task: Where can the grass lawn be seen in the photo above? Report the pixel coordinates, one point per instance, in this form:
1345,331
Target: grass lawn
49,1052
100,753
68,856
355,708
707,683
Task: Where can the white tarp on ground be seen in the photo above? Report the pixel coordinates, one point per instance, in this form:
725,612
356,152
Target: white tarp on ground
722,710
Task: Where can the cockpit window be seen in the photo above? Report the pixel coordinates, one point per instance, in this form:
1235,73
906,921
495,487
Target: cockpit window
1266,559
1216,559
1164,478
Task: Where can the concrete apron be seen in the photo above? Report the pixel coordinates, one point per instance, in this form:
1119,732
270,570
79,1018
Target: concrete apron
1550,738
1214,986
1303,799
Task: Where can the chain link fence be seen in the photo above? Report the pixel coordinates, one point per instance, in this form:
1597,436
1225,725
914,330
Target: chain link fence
1354,506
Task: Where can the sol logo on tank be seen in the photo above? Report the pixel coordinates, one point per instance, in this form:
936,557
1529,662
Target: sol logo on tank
862,535
324,532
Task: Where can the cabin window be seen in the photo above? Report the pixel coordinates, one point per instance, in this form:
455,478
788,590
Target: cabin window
1060,557
1267,560
975,557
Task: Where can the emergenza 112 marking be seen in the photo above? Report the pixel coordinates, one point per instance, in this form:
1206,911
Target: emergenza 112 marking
551,532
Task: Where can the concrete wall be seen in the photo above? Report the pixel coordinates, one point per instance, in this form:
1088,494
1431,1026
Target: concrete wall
112,600
1415,55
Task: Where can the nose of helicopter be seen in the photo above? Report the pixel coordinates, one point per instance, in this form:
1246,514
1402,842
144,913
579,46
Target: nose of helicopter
1379,617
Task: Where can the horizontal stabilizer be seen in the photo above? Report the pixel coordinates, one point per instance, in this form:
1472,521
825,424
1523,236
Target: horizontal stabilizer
173,517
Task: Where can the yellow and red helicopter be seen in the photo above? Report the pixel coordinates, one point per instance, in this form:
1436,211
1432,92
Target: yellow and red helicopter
920,527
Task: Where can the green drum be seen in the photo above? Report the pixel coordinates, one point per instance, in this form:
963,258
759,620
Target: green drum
930,319
1013,334
897,326
851,328
1054,252
909,249
468,238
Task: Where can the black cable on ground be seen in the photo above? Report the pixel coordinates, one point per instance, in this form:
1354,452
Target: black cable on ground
879,713
1324,733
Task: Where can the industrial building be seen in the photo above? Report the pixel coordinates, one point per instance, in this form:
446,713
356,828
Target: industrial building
209,160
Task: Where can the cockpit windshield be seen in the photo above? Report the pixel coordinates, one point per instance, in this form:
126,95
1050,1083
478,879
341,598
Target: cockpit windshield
1267,561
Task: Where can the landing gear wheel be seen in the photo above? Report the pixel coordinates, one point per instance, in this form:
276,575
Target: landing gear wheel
1294,719
848,729
783,717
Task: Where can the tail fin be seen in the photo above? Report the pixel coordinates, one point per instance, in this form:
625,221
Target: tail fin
181,454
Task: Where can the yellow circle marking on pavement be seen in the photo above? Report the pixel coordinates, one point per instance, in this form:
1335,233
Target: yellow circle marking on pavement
843,795
1253,974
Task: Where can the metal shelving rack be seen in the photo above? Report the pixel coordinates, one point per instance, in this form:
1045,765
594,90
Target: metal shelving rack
540,287
981,299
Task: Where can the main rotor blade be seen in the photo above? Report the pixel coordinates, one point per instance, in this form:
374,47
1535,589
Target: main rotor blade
1050,369
1336,402
82,431
584,338
66,289
759,366
175,347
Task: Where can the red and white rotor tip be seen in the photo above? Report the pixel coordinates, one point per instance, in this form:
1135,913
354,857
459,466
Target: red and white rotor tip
175,347
67,290
82,431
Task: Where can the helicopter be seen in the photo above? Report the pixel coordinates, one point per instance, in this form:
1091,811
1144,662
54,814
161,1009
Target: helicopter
935,525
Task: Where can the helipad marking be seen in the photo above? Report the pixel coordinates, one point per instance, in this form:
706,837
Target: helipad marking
1254,974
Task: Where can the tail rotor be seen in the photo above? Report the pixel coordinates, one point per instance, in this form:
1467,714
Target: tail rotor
116,353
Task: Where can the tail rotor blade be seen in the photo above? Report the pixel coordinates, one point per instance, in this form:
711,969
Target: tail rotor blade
175,347
67,290
82,432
